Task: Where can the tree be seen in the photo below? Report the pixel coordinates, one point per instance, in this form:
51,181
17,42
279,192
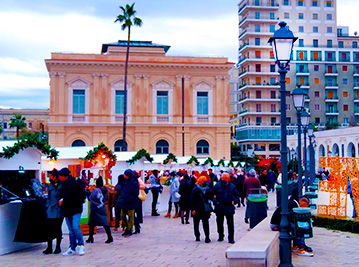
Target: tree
18,122
127,19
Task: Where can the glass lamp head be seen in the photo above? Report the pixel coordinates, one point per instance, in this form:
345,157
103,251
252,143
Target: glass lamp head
298,96
311,130
282,44
305,118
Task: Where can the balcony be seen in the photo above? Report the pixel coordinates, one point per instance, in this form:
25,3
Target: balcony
255,4
302,72
162,118
332,112
331,99
254,99
257,112
356,73
356,99
258,132
331,73
261,19
202,119
79,118
256,73
331,86
260,86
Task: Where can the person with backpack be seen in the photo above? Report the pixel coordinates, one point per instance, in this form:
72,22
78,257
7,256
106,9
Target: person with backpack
72,197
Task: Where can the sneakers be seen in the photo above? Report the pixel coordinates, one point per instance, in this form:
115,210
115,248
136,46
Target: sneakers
303,252
69,252
294,248
115,229
81,250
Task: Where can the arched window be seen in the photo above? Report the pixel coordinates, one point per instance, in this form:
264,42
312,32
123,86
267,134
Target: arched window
162,147
321,151
120,145
202,147
335,150
78,143
351,150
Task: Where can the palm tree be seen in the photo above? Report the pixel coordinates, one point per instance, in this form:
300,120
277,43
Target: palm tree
18,121
128,19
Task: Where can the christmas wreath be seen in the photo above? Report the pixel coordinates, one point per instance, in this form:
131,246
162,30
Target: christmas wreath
208,161
101,152
142,153
170,157
30,140
221,162
192,160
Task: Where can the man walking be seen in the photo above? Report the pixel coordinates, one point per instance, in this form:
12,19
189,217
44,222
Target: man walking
155,188
130,195
225,197
72,197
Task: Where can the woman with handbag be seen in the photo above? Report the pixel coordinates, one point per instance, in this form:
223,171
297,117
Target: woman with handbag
138,209
201,207
174,195
185,191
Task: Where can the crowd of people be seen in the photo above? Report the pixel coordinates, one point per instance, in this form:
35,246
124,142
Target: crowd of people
191,193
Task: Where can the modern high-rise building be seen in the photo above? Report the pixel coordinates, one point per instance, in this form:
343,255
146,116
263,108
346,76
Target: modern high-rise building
325,62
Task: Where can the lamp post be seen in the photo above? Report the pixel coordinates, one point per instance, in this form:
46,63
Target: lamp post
311,154
298,96
305,122
282,45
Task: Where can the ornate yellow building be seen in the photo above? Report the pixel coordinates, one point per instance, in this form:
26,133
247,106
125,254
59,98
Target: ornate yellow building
87,99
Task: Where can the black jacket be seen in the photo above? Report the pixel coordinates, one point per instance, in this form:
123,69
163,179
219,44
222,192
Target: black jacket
197,200
185,191
73,195
224,196
130,193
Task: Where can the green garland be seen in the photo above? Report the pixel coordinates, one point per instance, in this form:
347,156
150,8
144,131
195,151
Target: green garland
221,162
193,159
170,157
30,140
139,155
208,161
230,164
100,149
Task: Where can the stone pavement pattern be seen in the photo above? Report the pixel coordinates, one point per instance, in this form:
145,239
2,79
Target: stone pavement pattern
166,242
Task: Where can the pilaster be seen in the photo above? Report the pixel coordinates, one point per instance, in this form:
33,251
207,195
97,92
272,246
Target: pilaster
95,98
62,97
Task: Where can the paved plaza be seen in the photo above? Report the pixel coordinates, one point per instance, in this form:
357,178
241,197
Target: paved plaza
166,242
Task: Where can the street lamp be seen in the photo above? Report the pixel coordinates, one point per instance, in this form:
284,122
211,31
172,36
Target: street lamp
305,121
311,153
282,44
298,96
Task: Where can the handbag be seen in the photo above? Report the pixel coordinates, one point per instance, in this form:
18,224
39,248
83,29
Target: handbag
177,195
142,195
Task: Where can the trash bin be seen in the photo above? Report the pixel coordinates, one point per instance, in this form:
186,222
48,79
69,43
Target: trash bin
257,204
278,190
303,227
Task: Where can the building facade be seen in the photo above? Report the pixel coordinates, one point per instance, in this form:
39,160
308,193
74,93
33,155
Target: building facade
36,120
174,104
324,62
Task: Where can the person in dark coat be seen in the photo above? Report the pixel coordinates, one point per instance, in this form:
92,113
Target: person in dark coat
201,194
239,186
264,179
185,191
98,212
225,196
213,178
72,197
118,201
155,189
130,196
138,209
55,216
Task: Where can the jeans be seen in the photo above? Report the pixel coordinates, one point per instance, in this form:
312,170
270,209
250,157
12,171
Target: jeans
75,233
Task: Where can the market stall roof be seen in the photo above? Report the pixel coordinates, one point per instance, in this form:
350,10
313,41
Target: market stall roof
6,143
72,152
125,155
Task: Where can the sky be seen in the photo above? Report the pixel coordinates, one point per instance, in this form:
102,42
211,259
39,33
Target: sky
31,30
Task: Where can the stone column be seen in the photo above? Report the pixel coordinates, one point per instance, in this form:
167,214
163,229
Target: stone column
147,98
54,96
188,99
95,99
63,96
106,98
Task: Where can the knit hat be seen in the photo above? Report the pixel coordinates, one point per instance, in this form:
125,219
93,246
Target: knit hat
129,173
252,172
64,172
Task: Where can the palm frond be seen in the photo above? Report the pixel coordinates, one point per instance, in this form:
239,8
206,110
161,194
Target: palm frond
137,22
